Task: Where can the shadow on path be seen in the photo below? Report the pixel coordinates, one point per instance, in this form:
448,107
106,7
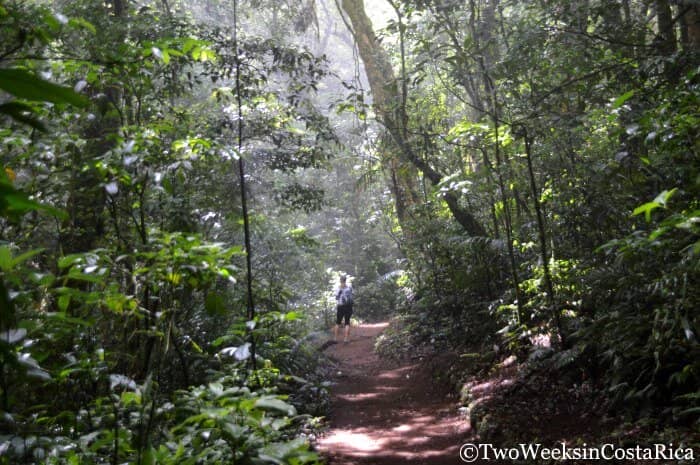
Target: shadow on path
386,414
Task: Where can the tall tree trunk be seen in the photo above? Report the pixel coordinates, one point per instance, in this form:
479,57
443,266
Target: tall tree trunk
542,236
690,24
120,7
482,20
666,38
505,199
250,303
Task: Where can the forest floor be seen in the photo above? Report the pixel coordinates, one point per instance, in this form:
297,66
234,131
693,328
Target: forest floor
387,413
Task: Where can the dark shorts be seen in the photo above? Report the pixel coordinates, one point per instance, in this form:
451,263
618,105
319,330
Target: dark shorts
343,312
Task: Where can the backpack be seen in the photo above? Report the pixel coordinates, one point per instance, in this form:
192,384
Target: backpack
346,296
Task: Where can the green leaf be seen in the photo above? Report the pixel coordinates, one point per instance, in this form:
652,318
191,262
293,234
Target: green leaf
689,334
689,412
149,457
167,185
51,20
196,346
38,373
14,203
273,403
81,23
203,54
660,201
215,304
664,196
235,432
32,367
5,258
80,276
646,208
189,44
294,451
130,398
26,256
622,99
63,302
23,84
62,317
69,260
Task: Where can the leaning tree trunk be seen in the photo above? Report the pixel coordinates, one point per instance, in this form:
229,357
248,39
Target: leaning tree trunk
390,108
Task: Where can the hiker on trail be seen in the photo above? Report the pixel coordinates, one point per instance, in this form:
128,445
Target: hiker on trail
344,301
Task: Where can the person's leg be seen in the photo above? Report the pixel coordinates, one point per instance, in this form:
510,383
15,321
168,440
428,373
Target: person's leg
348,314
338,320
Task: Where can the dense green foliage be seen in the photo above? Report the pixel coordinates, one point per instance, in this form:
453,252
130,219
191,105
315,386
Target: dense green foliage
124,332
527,184
569,130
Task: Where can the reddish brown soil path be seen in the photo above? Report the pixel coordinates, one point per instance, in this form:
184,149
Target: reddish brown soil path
387,414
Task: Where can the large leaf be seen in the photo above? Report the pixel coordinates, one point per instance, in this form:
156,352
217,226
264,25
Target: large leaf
22,113
24,84
14,203
273,403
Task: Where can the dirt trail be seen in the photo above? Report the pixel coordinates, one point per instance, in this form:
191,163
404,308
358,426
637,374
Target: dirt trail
384,414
